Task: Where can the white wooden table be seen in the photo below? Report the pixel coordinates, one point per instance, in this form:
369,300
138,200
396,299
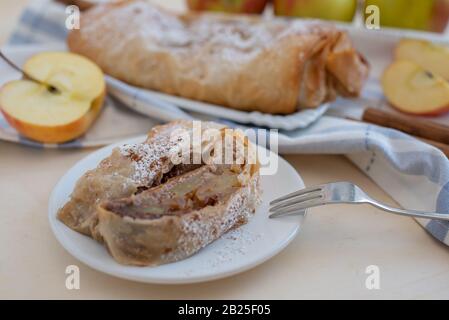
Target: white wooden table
327,260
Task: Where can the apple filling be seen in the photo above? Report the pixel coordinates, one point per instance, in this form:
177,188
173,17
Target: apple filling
190,191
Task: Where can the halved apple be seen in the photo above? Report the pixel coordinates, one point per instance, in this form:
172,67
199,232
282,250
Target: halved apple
428,55
415,90
54,117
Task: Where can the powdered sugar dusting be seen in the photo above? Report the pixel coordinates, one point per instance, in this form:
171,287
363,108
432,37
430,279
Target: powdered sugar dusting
236,243
221,38
239,209
145,157
152,158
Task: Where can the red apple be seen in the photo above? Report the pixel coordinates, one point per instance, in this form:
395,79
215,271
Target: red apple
440,16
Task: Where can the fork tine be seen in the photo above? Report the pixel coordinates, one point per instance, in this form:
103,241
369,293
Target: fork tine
297,199
296,193
284,214
297,208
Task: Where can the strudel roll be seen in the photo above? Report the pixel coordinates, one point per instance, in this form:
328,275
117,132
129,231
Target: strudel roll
242,62
149,209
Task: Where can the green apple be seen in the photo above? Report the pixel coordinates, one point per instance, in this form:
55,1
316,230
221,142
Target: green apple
233,6
430,15
340,10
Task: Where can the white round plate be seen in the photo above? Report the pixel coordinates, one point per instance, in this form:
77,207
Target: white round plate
239,250
151,103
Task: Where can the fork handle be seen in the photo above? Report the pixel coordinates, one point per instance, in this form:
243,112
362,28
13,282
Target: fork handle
410,213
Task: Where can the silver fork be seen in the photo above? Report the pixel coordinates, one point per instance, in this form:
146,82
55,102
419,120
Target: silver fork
337,192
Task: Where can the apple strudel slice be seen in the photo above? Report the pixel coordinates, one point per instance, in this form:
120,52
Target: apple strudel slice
149,209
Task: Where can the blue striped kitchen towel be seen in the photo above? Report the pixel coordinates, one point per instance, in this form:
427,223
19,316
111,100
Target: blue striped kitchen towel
415,174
